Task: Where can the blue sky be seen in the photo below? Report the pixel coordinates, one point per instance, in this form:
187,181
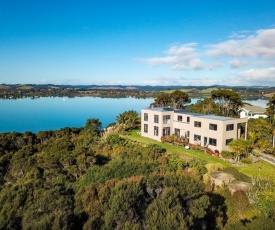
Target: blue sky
138,42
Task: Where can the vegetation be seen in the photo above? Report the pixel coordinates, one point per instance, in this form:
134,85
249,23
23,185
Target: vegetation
176,99
87,178
119,91
271,110
228,102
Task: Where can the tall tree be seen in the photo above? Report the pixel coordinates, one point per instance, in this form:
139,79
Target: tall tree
229,102
179,98
176,99
270,111
93,126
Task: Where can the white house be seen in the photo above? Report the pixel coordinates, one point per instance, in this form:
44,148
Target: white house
251,111
215,132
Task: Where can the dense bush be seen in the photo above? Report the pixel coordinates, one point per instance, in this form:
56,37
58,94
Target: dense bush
227,154
246,160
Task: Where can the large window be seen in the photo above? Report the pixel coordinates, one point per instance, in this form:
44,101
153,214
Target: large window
213,127
197,124
197,137
229,127
213,141
145,116
179,118
227,141
166,131
156,118
156,130
166,119
146,128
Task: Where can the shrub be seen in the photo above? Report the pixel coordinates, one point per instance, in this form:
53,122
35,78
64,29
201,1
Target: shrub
246,160
227,154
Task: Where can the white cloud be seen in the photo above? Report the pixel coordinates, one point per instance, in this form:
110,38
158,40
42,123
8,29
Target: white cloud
254,52
236,63
182,57
258,75
259,45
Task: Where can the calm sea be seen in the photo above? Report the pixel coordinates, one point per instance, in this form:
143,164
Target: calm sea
55,113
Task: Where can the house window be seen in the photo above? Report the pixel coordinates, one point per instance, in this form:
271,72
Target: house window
166,131
197,124
145,116
188,120
227,141
156,130
179,118
197,137
156,118
146,128
213,141
177,132
187,134
229,127
213,127
166,119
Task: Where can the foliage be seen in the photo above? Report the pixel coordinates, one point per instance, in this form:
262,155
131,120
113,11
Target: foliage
260,132
270,111
128,120
176,99
228,102
93,126
74,179
246,160
241,146
227,154
205,106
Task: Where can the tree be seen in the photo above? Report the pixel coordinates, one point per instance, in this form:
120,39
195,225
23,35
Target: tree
205,106
270,111
162,100
229,102
260,132
240,146
93,126
179,98
129,119
176,99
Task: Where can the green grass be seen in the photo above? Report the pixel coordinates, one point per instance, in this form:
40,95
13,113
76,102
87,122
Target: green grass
24,87
261,169
4,87
174,149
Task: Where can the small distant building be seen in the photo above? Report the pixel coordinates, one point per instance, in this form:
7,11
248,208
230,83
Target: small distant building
251,111
207,130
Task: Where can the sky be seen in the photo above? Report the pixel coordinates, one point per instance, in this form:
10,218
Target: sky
144,42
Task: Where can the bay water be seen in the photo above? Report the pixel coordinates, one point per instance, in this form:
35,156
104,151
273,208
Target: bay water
52,113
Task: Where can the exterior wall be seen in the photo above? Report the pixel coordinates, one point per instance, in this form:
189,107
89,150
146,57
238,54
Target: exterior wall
184,128
151,123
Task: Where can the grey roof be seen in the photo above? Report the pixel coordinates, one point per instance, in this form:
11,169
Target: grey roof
254,109
161,109
187,112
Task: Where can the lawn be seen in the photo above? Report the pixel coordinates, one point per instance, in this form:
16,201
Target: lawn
174,149
261,169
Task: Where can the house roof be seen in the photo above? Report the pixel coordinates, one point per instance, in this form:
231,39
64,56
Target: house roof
187,112
254,109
